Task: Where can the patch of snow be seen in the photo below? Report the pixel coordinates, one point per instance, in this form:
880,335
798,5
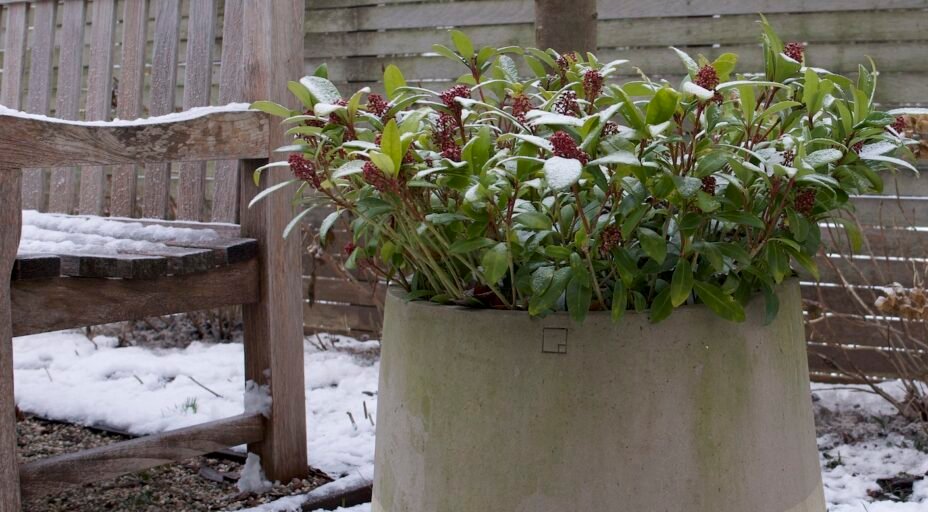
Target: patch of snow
541,117
258,398
66,376
877,148
561,173
700,92
323,91
822,157
252,477
186,115
51,233
909,111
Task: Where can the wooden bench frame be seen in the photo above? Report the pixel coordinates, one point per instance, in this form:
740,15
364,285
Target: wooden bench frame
268,287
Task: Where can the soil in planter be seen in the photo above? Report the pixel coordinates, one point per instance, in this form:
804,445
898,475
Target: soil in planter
201,483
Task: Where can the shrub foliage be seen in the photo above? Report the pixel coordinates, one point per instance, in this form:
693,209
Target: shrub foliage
565,190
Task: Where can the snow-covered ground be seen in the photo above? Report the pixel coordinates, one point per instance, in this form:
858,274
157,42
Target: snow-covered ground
67,376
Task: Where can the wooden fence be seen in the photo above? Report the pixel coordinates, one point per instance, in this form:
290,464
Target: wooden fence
358,38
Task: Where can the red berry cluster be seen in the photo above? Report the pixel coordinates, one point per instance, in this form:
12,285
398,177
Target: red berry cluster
304,169
794,51
592,84
377,105
610,128
318,123
858,146
448,96
566,60
610,238
349,248
567,105
565,147
899,125
521,105
708,185
707,77
443,136
377,179
805,201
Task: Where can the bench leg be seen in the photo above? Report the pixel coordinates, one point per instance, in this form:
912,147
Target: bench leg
274,331
10,227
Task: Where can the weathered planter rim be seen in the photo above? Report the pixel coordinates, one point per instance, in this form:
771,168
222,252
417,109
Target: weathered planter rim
396,293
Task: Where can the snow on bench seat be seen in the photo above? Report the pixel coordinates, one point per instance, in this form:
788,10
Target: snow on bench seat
88,246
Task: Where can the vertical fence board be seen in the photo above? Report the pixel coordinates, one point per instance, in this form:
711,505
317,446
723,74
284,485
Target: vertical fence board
99,97
39,92
14,55
129,100
63,188
157,188
201,29
231,76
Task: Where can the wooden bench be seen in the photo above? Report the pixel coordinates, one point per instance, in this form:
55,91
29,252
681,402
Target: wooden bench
79,167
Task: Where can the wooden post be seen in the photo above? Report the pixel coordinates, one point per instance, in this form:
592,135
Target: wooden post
565,25
10,227
273,54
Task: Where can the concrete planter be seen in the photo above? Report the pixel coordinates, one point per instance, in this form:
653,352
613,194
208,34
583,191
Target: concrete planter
483,410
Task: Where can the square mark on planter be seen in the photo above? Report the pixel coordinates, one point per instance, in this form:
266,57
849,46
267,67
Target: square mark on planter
554,340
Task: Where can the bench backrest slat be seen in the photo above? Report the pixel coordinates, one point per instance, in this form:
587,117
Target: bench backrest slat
99,97
14,49
157,186
191,191
103,59
231,78
63,188
129,100
38,98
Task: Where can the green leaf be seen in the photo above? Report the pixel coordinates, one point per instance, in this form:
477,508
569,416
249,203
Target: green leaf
466,246
445,218
274,109
691,67
392,80
295,221
654,245
662,106
301,93
545,297
579,295
534,220
852,230
322,89
495,263
681,284
771,304
718,301
746,219
383,162
661,307
391,145
327,224
463,44
619,301
256,176
270,190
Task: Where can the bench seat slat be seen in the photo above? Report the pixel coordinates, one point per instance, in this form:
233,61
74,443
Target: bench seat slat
90,247
64,305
